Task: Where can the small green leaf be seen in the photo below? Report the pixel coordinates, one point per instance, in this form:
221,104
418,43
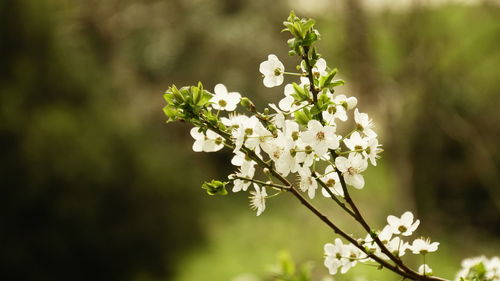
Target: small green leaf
171,113
326,80
303,116
335,83
302,93
308,25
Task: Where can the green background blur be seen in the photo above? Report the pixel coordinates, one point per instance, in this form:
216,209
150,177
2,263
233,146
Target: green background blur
95,185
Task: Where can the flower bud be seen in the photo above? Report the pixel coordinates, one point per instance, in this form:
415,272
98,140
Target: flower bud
266,172
247,103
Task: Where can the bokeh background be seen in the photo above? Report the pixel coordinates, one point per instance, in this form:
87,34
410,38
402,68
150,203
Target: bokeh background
95,185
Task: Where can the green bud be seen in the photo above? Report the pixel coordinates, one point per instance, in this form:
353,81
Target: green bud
247,103
215,187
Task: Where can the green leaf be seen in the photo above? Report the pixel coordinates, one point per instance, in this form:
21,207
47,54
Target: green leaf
336,83
326,80
303,116
171,113
178,96
308,25
205,97
301,92
287,265
196,94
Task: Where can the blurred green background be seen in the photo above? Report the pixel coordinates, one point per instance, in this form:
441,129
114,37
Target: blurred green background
95,186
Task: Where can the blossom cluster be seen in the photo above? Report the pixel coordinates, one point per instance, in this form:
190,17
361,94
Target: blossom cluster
341,257
291,138
479,268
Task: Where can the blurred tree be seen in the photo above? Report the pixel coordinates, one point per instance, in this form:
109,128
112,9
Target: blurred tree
86,194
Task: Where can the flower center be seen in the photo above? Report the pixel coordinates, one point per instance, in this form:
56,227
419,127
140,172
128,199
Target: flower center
222,103
332,109
277,72
402,228
320,136
308,149
352,170
330,182
310,180
357,147
248,131
277,153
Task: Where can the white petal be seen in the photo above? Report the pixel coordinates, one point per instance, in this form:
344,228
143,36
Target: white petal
269,81
393,221
286,103
279,80
220,89
196,134
266,68
321,65
342,164
234,97
407,218
357,181
198,146
289,90
351,103
314,125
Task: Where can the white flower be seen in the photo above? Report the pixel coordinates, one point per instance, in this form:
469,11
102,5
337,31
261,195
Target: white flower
397,246
319,137
246,165
424,270
243,127
222,100
338,110
423,246
365,124
233,121
331,179
404,225
209,142
356,142
334,254
279,150
288,103
240,184
259,136
470,265
384,236
353,256
340,256
373,150
351,168
272,69
307,182
258,199
318,70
